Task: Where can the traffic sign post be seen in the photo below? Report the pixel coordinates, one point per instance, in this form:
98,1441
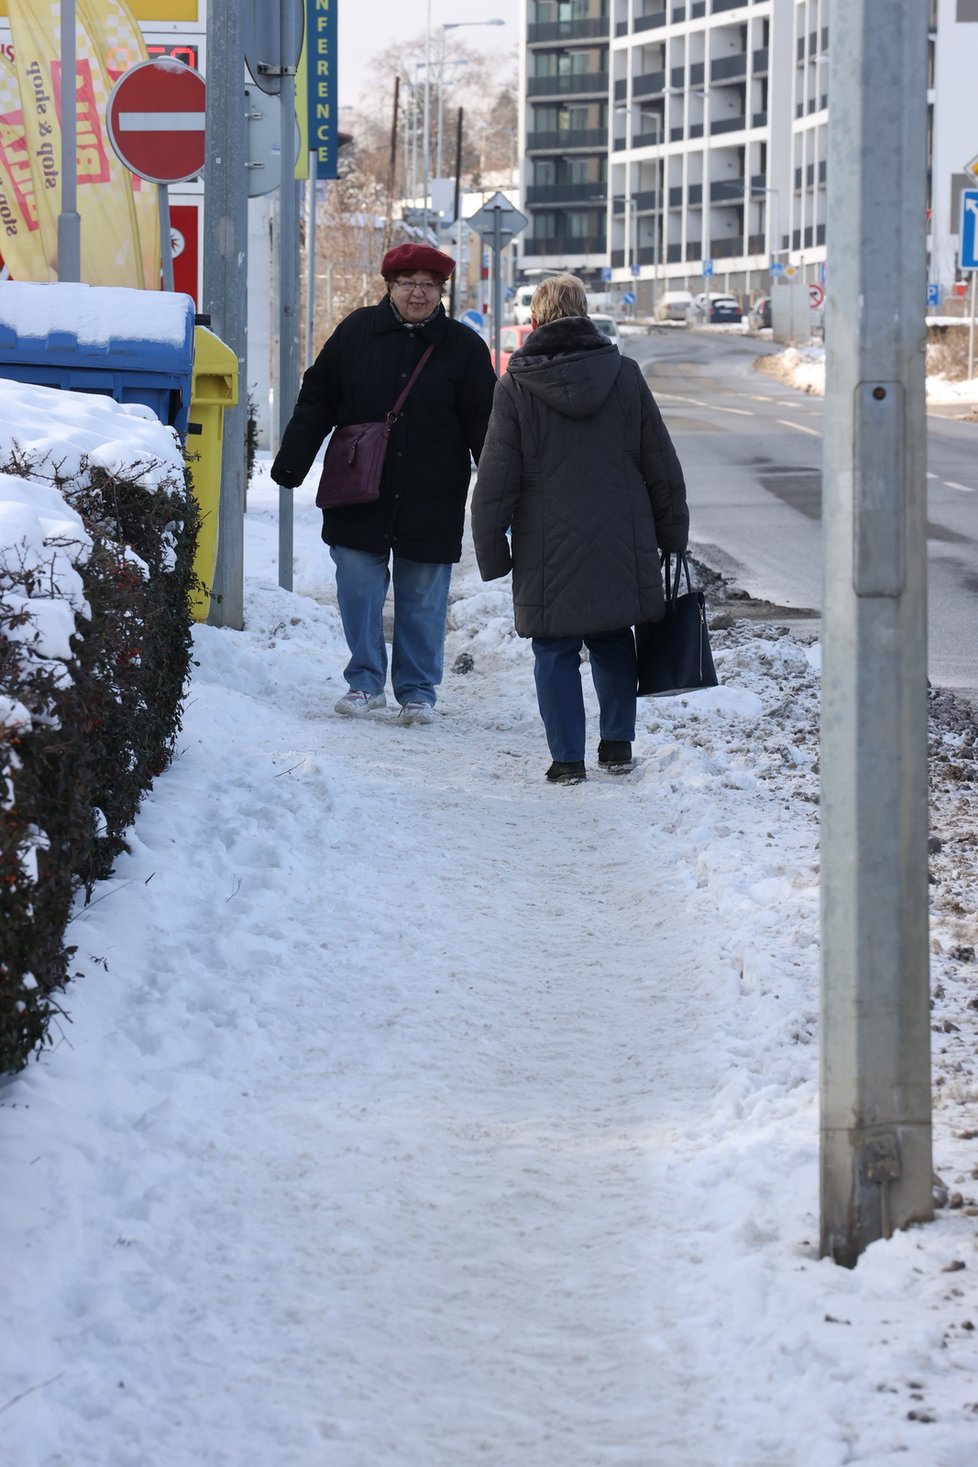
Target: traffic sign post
816,296
969,260
875,1086
155,121
496,223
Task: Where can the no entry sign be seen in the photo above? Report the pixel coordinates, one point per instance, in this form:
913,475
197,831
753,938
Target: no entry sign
155,120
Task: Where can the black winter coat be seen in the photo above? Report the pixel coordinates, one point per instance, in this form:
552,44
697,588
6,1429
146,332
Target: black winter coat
578,461
356,379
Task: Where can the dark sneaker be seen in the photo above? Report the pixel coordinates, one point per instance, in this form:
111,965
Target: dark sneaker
571,773
615,754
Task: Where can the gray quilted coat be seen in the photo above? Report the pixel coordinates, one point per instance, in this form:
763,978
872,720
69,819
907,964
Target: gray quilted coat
577,462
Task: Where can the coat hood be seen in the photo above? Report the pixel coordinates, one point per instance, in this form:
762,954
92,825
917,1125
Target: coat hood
568,365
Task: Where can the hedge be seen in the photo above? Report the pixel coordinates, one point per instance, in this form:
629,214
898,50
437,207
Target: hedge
78,751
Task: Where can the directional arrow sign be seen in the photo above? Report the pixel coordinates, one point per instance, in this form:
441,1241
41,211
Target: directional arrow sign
155,119
497,220
969,229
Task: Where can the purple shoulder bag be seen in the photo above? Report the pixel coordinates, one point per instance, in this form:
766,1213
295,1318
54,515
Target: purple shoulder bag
355,455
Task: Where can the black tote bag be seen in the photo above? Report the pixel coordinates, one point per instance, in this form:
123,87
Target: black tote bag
674,654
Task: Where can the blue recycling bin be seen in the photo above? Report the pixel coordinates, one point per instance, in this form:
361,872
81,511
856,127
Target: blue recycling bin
131,345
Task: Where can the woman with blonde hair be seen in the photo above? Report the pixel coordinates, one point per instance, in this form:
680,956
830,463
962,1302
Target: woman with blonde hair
579,468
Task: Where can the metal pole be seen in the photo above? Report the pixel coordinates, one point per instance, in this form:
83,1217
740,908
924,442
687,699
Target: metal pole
225,274
166,236
456,211
310,260
287,388
427,117
971,327
875,1028
657,218
69,221
497,280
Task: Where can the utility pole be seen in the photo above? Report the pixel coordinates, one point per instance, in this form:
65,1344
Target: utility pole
287,387
876,1170
225,283
69,220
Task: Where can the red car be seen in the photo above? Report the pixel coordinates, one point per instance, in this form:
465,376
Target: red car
510,339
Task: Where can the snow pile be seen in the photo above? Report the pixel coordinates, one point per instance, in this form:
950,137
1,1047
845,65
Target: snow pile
416,1113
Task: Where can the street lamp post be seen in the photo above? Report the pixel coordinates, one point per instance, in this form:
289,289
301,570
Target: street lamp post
426,141
773,221
630,214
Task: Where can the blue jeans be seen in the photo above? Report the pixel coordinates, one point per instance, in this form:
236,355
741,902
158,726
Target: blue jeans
420,607
557,673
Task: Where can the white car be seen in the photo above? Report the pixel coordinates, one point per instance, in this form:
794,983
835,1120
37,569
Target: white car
673,305
608,326
521,304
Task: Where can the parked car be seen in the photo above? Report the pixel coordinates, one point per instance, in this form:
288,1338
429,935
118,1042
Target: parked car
521,304
608,326
759,315
673,305
714,308
510,339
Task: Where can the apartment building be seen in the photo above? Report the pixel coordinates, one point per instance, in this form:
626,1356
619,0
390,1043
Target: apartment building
684,143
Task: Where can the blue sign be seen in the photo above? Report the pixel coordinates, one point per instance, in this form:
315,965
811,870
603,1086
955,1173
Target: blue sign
636,269
321,77
933,294
605,272
629,297
707,267
474,320
969,229
777,268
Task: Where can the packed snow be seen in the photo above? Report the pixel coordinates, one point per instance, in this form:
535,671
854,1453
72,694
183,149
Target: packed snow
407,1111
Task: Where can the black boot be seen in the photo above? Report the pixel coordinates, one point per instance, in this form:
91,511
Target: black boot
570,773
615,754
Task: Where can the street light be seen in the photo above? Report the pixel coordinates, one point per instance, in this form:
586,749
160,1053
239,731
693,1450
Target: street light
773,222
629,211
426,142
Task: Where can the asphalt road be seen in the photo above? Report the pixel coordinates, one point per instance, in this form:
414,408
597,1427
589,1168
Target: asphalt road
751,449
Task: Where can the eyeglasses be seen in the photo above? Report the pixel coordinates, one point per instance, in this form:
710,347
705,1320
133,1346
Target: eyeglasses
413,285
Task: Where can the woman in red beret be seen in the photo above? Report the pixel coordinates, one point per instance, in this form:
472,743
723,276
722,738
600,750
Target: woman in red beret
412,534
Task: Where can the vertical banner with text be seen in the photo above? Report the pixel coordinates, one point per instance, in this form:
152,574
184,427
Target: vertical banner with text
120,45
321,52
110,253
21,247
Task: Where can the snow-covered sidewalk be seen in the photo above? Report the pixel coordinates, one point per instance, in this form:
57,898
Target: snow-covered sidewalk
414,1113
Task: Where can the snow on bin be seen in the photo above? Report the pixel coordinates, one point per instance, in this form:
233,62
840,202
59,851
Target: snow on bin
215,388
131,345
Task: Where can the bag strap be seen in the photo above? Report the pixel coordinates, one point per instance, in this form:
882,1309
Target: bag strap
391,416
682,566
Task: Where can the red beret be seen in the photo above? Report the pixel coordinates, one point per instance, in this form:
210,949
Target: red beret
416,257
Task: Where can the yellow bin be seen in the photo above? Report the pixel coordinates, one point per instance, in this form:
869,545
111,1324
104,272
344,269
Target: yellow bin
214,387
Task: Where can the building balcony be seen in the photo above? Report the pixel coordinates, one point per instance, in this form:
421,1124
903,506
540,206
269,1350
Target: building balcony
567,139
650,22
566,193
728,124
588,29
729,68
563,244
647,201
649,85
727,191
570,84
760,62
727,249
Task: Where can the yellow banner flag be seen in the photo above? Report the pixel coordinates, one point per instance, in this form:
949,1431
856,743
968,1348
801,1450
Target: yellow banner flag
20,237
110,248
120,45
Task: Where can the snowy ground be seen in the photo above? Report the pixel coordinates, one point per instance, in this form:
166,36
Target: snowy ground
410,1112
